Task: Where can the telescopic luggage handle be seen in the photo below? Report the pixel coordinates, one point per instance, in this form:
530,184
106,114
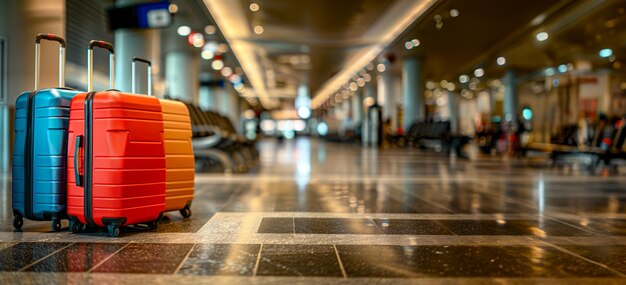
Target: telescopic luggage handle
109,47
54,38
134,74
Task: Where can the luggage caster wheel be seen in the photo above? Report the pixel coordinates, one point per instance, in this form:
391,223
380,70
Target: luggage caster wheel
18,222
185,212
153,225
55,225
114,231
75,227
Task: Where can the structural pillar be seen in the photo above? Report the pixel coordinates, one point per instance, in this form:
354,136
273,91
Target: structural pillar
413,90
510,96
20,22
182,75
369,99
386,96
130,43
453,111
357,108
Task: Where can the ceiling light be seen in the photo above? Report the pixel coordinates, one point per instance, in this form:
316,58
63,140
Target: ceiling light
562,68
227,71
360,82
415,42
479,72
173,8
463,78
258,29
207,54
542,36
451,86
370,66
501,60
617,65
605,52
254,7
196,39
408,45
183,31
217,64
381,67
430,85
367,77
353,86
210,29
454,13
222,48
443,83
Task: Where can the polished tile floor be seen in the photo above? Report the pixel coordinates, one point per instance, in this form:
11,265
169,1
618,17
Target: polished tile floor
321,213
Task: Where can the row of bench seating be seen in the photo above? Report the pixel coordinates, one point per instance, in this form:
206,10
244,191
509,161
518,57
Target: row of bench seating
601,149
215,141
429,134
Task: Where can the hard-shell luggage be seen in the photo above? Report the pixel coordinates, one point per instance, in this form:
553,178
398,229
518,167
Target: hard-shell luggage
179,157
40,147
116,157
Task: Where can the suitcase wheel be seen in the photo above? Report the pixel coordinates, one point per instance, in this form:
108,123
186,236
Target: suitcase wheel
76,227
153,225
18,222
113,230
55,225
185,212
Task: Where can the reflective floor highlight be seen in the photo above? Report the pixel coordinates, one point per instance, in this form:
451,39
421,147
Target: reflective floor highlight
318,213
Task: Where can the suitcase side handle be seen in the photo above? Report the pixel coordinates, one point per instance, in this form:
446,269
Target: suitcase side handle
103,45
54,38
77,146
134,74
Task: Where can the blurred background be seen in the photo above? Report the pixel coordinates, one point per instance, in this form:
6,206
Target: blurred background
469,78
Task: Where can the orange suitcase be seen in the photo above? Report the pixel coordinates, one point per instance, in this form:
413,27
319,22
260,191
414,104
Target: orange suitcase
179,157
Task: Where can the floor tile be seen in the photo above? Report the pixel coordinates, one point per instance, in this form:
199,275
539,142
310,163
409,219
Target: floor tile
146,258
613,227
298,260
276,226
22,254
464,261
221,259
539,228
78,257
613,256
335,226
411,227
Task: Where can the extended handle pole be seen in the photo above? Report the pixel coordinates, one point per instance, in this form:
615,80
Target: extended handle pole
134,74
109,47
54,38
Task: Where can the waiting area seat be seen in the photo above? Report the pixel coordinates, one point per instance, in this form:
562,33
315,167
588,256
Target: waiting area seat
434,134
215,141
606,145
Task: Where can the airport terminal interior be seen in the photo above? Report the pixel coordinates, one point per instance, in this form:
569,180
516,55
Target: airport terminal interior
313,142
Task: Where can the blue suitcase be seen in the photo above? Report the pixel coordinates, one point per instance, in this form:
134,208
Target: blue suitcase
40,148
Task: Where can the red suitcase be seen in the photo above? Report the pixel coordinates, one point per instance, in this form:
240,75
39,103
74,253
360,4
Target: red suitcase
116,157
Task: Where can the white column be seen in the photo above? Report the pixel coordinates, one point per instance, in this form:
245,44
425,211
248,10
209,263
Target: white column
357,108
386,96
130,43
369,99
510,96
413,90
20,22
182,75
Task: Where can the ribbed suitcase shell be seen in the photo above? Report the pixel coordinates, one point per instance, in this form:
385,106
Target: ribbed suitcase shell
47,156
178,155
128,160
